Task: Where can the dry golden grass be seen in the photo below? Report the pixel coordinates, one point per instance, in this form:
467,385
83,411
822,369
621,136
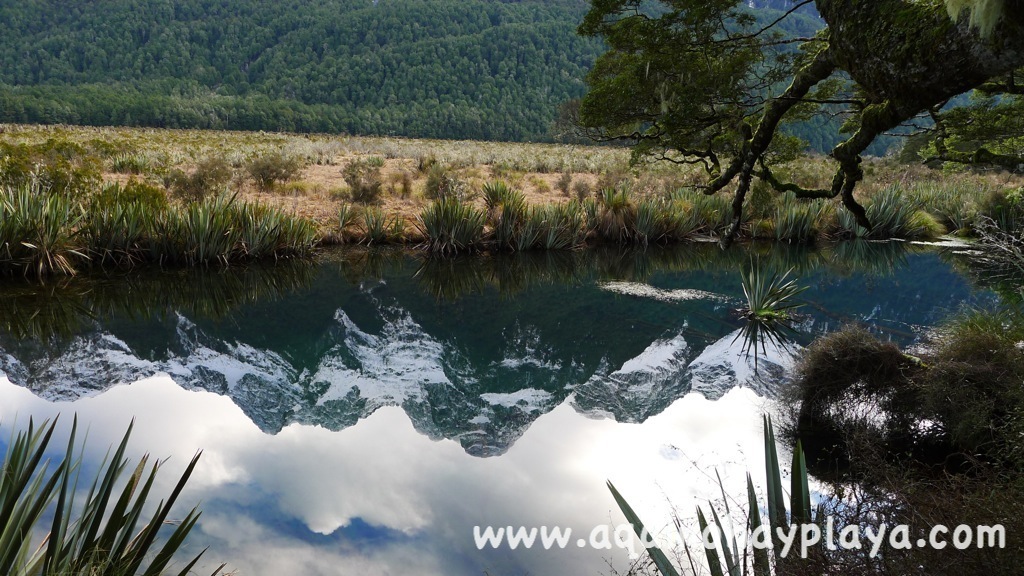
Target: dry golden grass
320,190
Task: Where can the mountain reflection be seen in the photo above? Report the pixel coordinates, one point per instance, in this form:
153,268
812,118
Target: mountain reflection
471,350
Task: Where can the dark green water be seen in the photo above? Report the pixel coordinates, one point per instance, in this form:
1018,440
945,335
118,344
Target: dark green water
362,414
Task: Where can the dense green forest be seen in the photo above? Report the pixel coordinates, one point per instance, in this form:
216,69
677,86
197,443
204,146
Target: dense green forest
440,68
418,68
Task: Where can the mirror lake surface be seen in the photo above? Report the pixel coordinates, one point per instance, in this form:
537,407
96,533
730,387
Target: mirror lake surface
362,414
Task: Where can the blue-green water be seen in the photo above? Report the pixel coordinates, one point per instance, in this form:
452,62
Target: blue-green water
361,415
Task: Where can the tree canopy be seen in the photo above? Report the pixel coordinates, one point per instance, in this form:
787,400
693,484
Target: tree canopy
704,82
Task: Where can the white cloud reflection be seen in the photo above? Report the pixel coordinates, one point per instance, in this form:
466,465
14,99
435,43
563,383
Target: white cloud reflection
380,498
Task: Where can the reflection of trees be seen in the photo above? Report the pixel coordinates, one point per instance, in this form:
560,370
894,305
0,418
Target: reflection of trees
452,278
61,309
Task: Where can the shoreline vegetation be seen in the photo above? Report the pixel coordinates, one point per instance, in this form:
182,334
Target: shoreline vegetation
74,198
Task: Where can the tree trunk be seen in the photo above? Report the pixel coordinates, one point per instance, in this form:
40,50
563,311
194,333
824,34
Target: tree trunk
912,55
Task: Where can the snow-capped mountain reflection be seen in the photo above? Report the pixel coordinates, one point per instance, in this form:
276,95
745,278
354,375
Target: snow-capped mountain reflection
445,390
478,370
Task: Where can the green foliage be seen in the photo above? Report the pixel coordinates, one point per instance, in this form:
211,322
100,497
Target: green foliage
57,165
346,217
130,163
364,181
726,557
799,221
452,226
893,214
564,184
618,215
98,536
270,169
443,182
506,212
670,85
43,234
210,178
437,68
39,232
376,226
119,219
771,299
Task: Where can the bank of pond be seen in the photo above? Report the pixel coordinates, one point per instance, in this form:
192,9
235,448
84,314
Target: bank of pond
46,231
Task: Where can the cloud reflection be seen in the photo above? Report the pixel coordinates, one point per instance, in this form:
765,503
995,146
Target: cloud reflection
380,498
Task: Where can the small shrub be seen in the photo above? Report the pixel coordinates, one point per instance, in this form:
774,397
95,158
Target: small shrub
564,184
444,183
424,163
270,169
58,166
540,185
210,177
406,185
582,190
364,182
613,179
134,192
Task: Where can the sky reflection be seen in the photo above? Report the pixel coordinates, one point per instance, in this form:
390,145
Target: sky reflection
380,498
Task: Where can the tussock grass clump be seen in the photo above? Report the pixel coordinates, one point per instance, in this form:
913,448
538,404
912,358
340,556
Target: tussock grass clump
955,205
120,218
220,231
346,218
506,213
269,170
846,382
618,215
376,226
1003,208
799,221
558,226
39,231
651,223
44,234
131,163
893,214
451,226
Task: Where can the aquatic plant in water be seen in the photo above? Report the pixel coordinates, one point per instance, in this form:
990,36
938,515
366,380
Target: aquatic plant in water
770,303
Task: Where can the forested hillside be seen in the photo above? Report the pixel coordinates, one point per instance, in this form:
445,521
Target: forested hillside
468,69
421,68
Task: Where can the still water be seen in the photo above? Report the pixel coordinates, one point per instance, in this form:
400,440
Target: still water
362,415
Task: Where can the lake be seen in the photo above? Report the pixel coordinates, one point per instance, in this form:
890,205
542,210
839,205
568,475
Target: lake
361,415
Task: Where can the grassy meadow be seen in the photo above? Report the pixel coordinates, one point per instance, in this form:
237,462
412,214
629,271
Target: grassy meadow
73,197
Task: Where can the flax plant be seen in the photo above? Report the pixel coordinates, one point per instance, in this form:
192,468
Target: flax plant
730,555
451,226
104,534
769,310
